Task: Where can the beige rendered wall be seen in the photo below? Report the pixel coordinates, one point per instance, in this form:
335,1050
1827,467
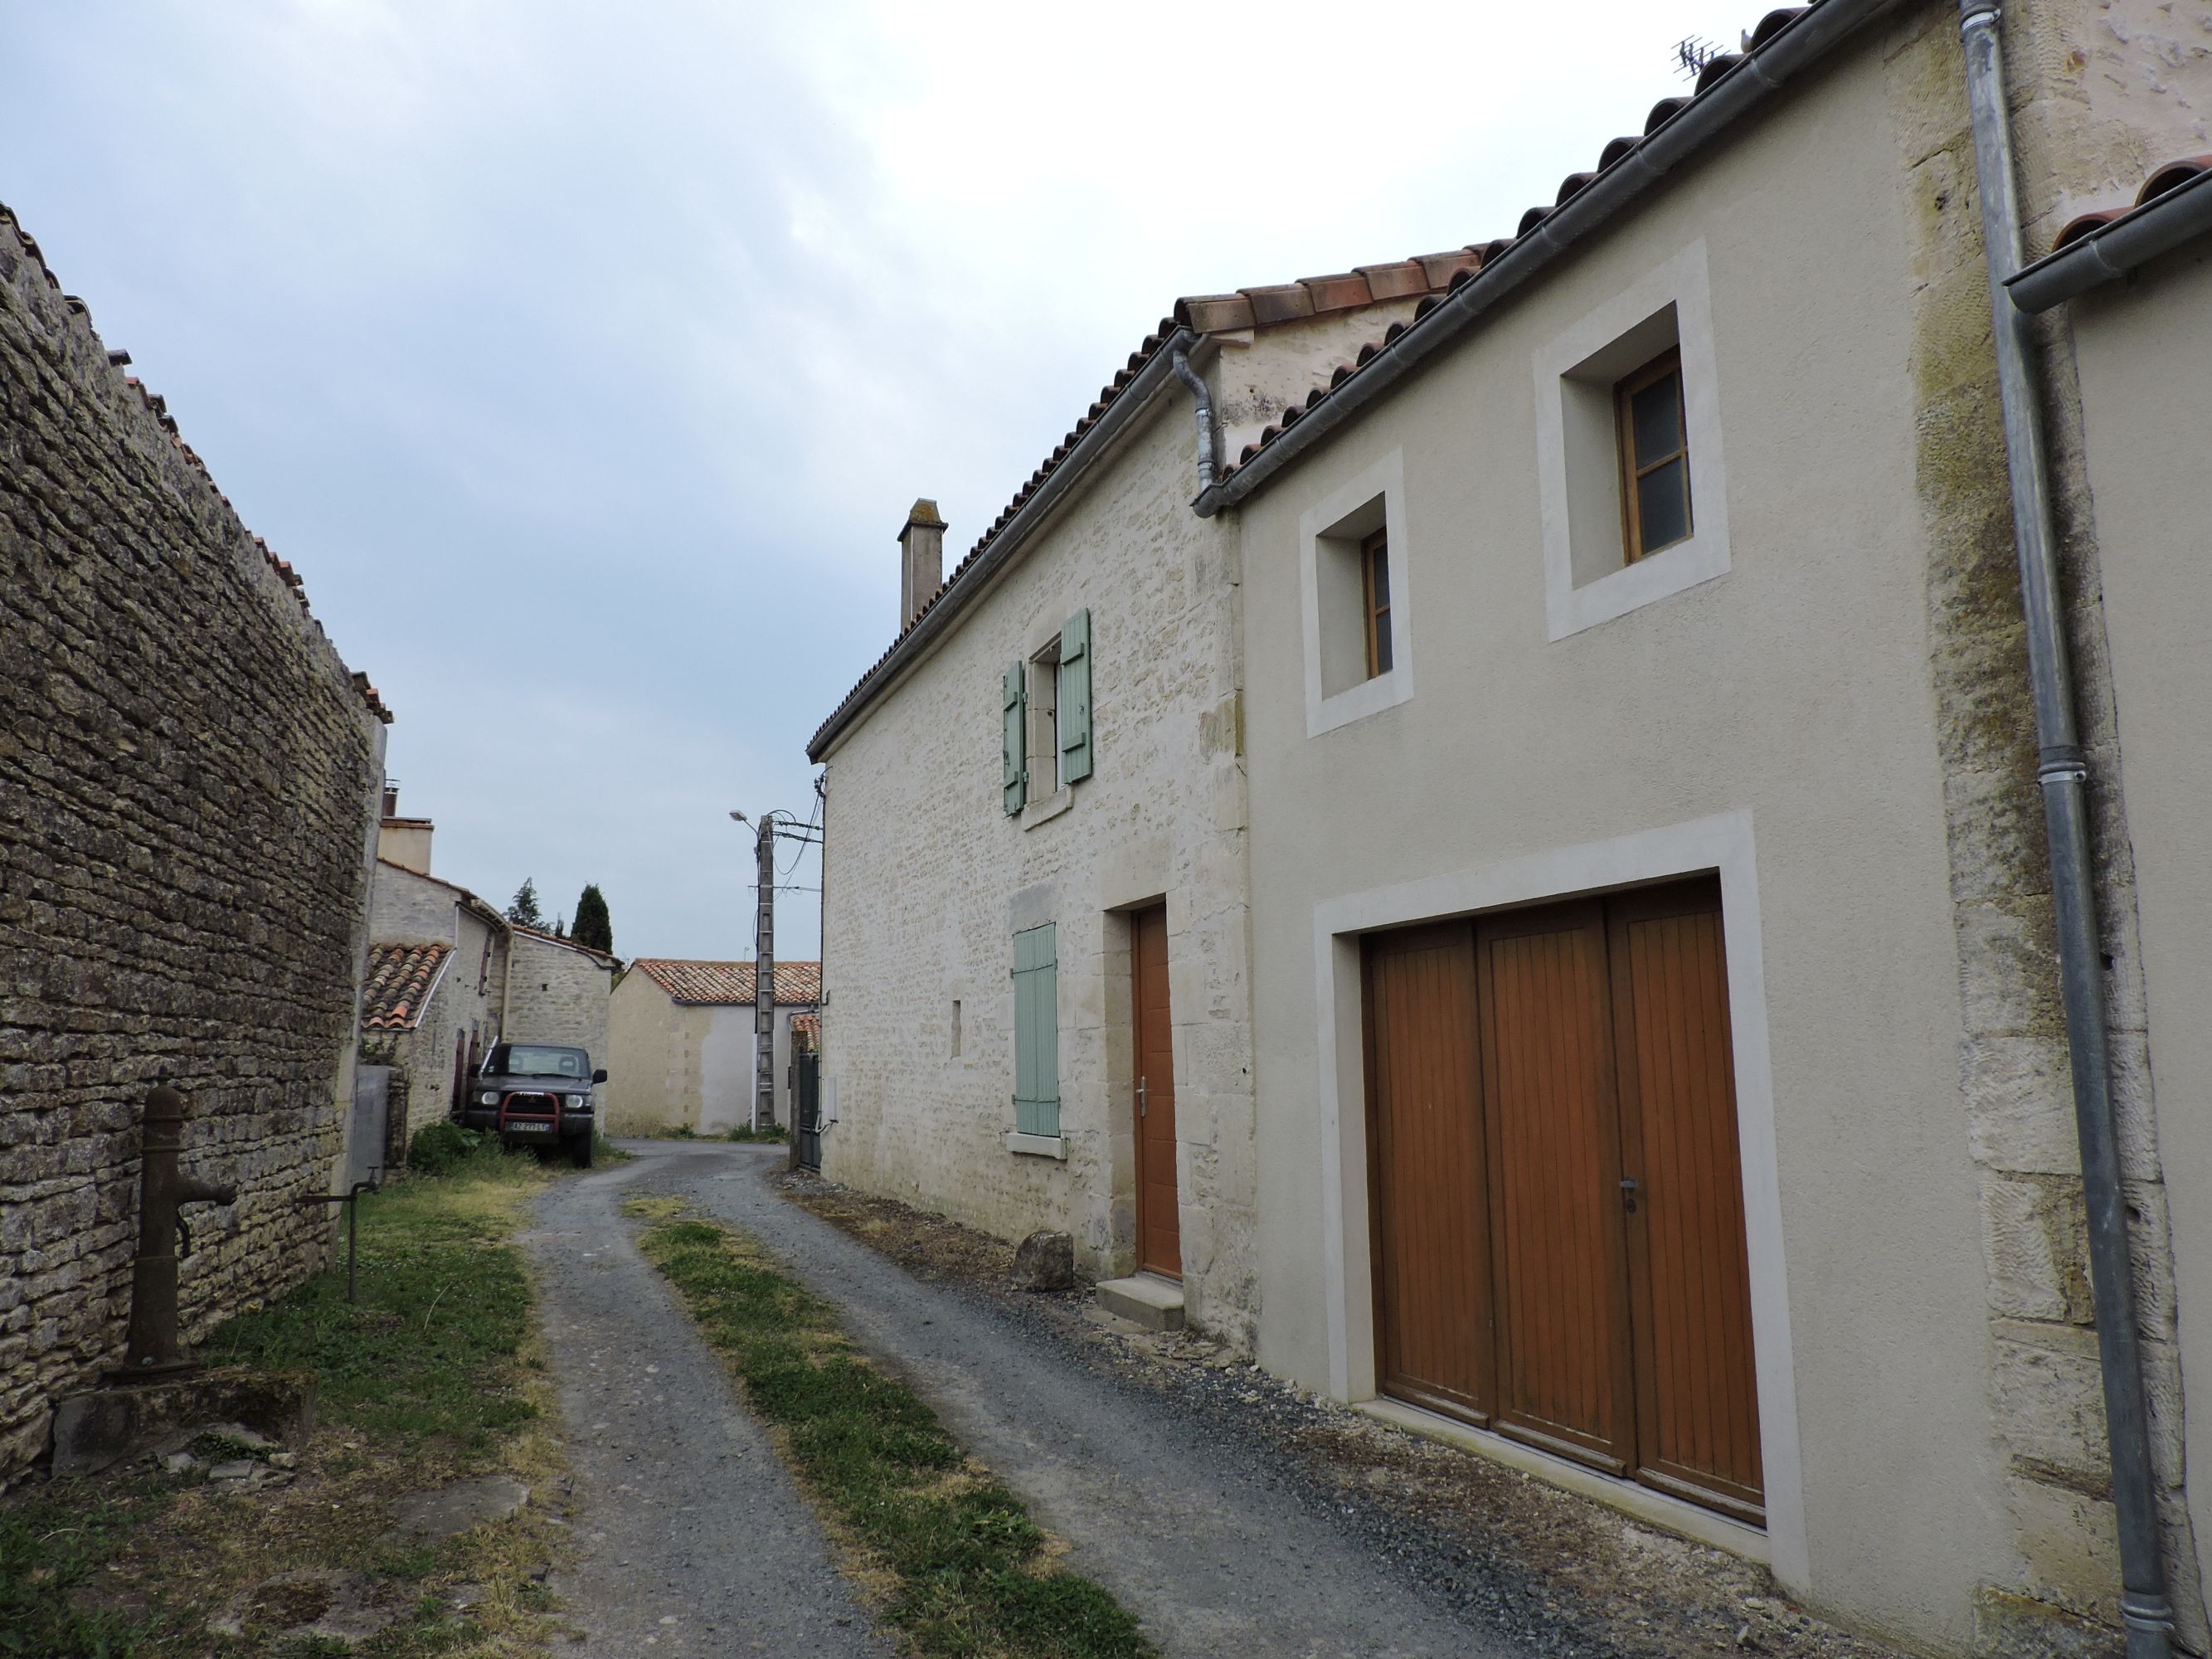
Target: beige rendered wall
654,1059
928,878
1790,697
2143,351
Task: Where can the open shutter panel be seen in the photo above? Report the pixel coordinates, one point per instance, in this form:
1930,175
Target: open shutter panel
1036,1032
1015,738
1075,698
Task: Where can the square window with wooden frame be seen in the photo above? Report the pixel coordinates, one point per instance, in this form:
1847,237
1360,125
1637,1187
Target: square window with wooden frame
1653,434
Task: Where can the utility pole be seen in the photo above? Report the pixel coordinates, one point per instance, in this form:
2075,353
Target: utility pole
764,981
764,834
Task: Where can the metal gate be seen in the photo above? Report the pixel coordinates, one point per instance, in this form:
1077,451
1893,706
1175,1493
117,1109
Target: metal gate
806,1111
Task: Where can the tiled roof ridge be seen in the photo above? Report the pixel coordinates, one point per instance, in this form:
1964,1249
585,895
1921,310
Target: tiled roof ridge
1612,155
2169,176
706,983
1206,313
156,406
396,987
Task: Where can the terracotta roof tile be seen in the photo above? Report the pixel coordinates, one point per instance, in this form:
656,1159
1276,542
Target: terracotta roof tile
807,1027
2171,176
1207,314
730,984
1477,258
398,983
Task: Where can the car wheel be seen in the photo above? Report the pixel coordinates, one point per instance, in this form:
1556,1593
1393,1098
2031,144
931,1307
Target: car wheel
579,1151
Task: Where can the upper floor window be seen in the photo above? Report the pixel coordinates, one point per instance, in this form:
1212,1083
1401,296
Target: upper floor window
1375,585
1655,457
1045,703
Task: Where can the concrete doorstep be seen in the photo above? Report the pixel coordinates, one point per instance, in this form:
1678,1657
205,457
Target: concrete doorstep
1154,1304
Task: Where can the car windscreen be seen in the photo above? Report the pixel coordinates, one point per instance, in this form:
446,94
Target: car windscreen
529,1060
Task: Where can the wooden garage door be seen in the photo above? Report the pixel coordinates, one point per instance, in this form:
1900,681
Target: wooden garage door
1555,1208
1432,1247
1558,1212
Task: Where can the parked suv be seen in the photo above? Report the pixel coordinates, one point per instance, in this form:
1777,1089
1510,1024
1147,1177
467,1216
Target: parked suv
535,1094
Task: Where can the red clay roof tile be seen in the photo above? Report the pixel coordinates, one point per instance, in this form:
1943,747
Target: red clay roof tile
2171,176
396,987
730,984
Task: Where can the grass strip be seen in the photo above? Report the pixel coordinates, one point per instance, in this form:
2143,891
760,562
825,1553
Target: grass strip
435,1374
962,1568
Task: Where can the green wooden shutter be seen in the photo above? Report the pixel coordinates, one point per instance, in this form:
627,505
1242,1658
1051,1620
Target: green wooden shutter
1075,698
1036,1032
1016,738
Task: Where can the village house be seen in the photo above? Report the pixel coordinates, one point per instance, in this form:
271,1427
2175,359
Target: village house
1658,1003
191,775
683,1052
1035,938
449,975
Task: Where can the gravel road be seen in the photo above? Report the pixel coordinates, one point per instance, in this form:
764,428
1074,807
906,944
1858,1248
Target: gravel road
691,1539
1206,1545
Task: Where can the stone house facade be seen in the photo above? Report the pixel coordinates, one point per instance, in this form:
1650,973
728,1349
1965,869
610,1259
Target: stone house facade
1761,796
451,976
1037,803
1711,814
682,1046
190,774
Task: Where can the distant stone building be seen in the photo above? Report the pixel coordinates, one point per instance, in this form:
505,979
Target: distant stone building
451,975
683,1052
190,776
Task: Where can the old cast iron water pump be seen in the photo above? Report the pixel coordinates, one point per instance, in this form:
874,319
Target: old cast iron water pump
163,1191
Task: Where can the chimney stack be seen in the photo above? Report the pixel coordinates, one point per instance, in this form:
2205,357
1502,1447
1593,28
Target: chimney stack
391,797
922,560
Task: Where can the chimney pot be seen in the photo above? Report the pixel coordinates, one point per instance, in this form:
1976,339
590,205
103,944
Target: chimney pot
922,560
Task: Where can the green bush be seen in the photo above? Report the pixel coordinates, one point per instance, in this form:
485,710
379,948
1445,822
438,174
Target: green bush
442,1148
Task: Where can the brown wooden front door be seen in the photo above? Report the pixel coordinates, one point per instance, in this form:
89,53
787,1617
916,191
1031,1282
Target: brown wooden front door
1558,1212
1159,1227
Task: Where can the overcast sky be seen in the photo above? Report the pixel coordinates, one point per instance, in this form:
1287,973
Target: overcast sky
585,357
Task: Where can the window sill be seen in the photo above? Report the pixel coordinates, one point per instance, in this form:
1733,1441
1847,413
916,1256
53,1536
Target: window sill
1040,811
1053,1146
1357,702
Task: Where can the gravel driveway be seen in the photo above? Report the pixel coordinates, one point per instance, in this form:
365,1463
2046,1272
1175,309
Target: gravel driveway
691,1539
1209,1546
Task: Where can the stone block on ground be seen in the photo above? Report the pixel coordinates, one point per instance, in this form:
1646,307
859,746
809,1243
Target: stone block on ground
94,1430
1045,1262
446,1512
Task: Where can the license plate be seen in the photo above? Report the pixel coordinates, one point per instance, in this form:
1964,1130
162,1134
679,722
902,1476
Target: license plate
528,1128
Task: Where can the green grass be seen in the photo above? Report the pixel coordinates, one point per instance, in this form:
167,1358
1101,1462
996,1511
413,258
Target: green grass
444,1308
963,1569
775,1132
432,1374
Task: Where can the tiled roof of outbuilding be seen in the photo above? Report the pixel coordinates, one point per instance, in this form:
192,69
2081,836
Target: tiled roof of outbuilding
398,985
1488,254
2171,177
1203,314
730,984
604,958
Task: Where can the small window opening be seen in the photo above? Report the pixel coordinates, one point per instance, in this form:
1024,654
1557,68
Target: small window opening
1655,457
956,1028
1375,582
1044,722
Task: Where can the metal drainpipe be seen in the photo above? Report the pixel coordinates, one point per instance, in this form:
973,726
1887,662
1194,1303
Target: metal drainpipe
2062,773
1191,378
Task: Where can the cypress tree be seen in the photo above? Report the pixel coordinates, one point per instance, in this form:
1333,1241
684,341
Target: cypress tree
523,908
593,927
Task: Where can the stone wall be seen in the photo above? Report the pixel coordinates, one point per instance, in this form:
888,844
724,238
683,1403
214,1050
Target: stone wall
2101,93
190,778
560,994
928,878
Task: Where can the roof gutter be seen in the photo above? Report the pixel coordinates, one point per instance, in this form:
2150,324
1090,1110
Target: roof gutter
1794,50
940,617
2113,250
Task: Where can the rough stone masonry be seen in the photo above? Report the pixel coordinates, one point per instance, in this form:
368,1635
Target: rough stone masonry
188,782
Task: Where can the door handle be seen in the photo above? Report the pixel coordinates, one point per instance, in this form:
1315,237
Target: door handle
1140,1096
1628,1190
